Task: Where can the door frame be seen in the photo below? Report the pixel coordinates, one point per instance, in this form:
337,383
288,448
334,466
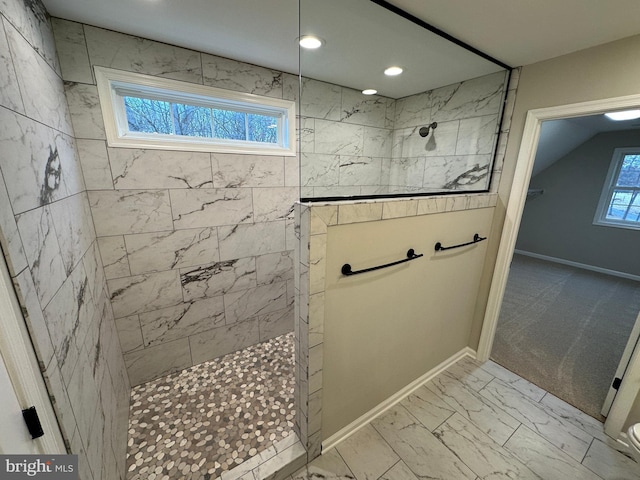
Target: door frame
625,398
22,366
623,366
515,206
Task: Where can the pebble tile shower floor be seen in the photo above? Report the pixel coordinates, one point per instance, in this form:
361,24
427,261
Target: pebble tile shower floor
209,418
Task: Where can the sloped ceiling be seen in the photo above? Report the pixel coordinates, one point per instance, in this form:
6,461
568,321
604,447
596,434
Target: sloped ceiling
559,137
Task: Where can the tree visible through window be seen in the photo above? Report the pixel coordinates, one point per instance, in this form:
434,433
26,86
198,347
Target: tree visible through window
157,116
620,201
143,111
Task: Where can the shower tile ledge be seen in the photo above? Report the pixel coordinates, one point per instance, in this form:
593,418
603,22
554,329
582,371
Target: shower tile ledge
277,462
358,201
355,211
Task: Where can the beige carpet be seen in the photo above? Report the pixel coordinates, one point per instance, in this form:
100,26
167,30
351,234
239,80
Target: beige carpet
565,328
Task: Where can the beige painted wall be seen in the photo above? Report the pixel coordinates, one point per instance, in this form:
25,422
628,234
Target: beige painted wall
606,71
387,328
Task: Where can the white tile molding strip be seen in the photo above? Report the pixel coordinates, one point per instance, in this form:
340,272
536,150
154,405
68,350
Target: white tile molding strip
584,266
397,397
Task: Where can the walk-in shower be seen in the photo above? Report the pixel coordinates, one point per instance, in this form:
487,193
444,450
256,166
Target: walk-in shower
210,418
170,271
373,146
197,248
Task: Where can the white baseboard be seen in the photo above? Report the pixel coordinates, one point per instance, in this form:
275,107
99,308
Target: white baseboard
606,271
400,395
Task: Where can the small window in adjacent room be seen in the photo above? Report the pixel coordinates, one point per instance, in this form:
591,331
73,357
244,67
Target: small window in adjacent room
619,204
141,111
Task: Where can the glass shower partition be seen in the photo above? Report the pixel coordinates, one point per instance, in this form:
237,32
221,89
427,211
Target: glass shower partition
430,130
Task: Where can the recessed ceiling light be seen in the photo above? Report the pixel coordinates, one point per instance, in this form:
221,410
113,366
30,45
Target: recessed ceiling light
310,42
624,115
369,91
393,71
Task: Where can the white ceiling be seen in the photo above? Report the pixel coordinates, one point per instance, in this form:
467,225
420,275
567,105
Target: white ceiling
365,38
263,32
520,32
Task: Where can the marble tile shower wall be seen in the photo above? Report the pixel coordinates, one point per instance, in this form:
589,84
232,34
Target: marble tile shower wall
197,247
357,145
345,140
48,239
457,155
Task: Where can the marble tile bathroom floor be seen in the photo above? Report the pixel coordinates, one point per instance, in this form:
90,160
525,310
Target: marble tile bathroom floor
472,421
206,420
477,422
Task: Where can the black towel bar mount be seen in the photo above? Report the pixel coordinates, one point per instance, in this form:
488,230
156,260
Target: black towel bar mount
476,238
411,255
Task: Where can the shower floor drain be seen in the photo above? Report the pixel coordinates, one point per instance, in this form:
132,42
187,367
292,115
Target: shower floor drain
212,417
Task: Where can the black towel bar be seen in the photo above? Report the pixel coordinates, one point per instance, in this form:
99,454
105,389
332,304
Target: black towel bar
411,255
476,238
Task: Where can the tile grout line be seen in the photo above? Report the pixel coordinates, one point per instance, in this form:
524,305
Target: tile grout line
433,435
510,437
392,449
443,422
489,382
483,399
555,448
392,466
587,451
455,454
585,456
345,462
543,397
547,411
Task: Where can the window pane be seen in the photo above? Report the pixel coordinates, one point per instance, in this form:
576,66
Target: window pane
229,125
629,175
624,206
150,116
633,214
263,128
192,121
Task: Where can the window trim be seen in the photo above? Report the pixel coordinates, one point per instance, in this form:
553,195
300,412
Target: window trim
110,82
607,191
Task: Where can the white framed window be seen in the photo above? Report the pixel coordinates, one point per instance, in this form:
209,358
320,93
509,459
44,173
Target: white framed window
619,204
142,111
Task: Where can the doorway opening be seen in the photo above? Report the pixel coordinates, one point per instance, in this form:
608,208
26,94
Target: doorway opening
571,300
565,329
628,390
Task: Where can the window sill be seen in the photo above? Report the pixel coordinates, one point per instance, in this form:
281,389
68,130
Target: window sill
626,226
190,146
